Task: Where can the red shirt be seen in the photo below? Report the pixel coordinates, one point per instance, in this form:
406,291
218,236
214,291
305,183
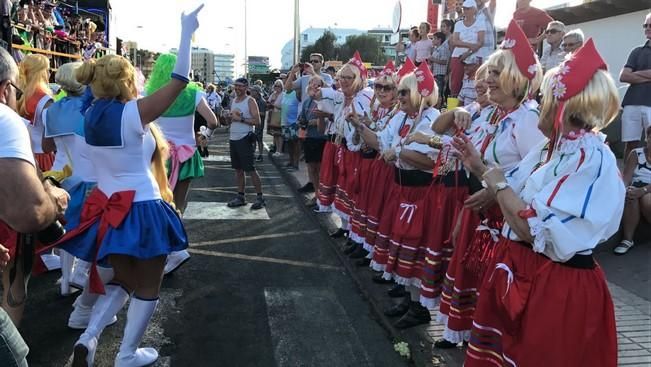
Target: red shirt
532,20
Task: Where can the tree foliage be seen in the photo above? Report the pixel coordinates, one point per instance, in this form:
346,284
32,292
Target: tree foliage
367,45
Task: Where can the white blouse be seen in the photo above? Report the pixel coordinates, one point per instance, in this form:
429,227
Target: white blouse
334,100
578,196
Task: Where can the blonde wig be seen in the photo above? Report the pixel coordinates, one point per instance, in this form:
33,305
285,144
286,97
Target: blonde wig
33,75
410,82
482,72
111,76
359,83
512,81
65,77
158,167
596,105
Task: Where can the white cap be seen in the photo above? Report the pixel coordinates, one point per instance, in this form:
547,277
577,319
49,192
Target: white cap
470,4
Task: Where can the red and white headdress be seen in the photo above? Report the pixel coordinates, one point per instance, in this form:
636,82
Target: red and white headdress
516,41
389,68
425,80
406,68
357,62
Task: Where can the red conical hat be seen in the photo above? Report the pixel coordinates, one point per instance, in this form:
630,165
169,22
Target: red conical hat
389,68
406,68
425,80
357,62
516,41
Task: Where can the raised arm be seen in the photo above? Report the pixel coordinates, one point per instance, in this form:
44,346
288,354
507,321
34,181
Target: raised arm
151,107
206,112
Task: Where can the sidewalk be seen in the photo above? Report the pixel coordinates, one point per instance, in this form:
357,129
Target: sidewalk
632,312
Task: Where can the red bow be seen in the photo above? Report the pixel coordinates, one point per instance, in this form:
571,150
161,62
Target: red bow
110,212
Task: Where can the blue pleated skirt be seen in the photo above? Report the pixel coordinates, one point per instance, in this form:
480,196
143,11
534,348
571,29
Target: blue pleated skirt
152,228
78,194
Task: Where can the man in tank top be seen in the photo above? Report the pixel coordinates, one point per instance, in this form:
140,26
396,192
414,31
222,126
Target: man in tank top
244,116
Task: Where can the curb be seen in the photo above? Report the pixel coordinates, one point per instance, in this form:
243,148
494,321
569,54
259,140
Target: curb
376,309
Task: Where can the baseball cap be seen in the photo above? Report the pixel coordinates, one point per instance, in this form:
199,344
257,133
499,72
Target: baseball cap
243,81
469,4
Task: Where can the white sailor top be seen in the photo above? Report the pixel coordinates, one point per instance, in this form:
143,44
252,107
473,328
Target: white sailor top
335,101
121,149
64,123
577,197
507,142
400,126
35,127
642,172
180,130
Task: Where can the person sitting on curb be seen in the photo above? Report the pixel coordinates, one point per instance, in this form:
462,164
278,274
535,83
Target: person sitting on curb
637,177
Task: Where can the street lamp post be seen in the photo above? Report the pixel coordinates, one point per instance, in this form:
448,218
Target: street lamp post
297,33
246,54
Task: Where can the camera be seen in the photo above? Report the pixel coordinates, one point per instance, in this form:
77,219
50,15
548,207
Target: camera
51,233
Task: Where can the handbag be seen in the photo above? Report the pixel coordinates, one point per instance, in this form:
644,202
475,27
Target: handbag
274,119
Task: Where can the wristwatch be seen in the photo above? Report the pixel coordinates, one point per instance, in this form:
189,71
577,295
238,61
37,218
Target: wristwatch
501,186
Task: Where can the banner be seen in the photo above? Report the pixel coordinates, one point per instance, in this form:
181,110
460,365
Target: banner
433,14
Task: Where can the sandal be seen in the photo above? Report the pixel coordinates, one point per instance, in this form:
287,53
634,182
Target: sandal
623,247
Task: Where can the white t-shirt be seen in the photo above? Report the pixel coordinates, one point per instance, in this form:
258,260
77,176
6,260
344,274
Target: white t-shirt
180,130
467,34
14,140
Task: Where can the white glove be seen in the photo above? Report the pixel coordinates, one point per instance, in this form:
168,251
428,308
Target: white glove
189,24
206,131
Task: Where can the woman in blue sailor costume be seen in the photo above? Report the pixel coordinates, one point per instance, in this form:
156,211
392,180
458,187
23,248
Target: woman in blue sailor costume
544,300
64,125
177,125
125,220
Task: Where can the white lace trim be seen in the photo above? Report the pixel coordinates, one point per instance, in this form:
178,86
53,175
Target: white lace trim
586,140
456,337
430,303
414,282
536,229
377,266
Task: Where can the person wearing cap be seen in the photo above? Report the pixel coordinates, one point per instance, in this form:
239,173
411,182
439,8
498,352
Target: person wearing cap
544,300
572,41
637,104
243,117
468,38
468,95
312,67
553,54
402,243
504,133
352,97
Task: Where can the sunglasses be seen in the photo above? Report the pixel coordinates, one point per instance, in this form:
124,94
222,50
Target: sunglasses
315,61
347,77
570,45
645,26
19,92
552,31
386,88
403,92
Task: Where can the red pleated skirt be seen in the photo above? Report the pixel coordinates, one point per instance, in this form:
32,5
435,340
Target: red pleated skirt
380,183
361,186
44,161
328,175
535,312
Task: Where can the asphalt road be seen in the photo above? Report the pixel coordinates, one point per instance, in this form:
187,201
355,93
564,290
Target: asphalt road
262,288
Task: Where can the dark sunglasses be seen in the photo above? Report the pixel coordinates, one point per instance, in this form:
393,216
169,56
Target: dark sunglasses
315,61
19,92
569,45
645,26
403,92
552,31
386,88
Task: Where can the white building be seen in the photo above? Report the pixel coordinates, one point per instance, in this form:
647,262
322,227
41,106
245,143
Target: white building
224,67
309,36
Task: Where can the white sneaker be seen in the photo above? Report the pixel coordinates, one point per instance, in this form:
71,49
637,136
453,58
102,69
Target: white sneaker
175,260
80,316
277,154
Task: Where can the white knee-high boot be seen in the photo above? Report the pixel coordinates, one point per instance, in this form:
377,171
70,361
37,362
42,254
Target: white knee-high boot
106,307
83,306
79,276
67,260
138,316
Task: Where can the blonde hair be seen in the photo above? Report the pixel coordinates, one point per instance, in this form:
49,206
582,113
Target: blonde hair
482,72
279,83
596,105
410,82
512,80
113,77
389,79
33,74
110,76
65,77
359,83
158,168
317,77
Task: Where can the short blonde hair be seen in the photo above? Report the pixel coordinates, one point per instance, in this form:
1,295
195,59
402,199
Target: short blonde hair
512,80
316,77
65,77
482,71
111,76
410,82
596,105
389,79
359,83
279,83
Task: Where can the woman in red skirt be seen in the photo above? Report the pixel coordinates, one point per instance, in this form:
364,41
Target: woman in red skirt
544,300
34,75
374,176
400,248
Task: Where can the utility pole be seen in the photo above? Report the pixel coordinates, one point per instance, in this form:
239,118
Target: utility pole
246,54
297,33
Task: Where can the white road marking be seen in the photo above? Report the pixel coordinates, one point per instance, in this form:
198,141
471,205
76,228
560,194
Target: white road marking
263,259
220,211
309,327
217,158
253,238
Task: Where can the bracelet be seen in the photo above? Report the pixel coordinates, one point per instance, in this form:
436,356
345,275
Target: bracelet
52,180
435,142
180,77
